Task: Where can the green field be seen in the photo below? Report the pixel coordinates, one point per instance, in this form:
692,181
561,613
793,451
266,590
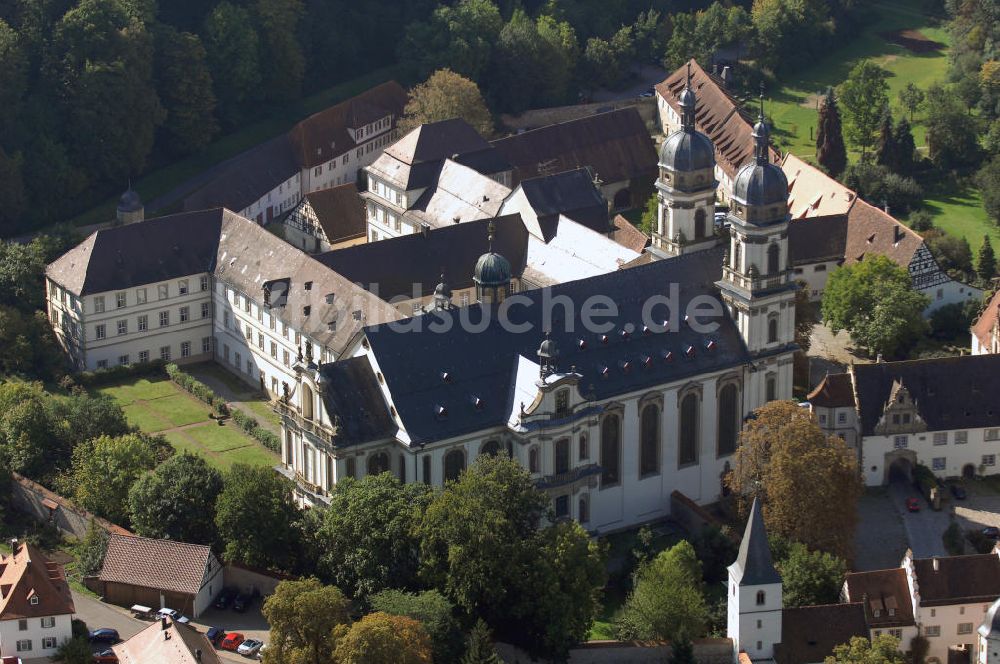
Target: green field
160,406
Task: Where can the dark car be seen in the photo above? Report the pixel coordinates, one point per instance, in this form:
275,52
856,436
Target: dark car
992,532
958,491
242,602
104,635
106,657
214,635
225,598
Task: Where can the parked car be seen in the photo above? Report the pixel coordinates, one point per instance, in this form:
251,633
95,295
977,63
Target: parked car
214,635
912,504
232,641
106,657
167,613
225,597
958,491
250,647
242,602
104,635
992,532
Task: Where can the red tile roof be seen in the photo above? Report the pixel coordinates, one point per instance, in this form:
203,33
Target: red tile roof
154,563
958,579
717,115
983,328
872,231
628,236
25,574
885,591
167,642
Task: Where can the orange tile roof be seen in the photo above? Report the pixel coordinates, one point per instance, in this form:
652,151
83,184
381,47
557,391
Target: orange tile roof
627,235
25,574
154,563
987,322
872,231
167,642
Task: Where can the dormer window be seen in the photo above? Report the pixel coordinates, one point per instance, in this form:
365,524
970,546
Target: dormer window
329,298
308,285
306,309
34,600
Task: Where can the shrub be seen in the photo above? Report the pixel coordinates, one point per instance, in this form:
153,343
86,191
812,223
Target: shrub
980,542
197,388
268,439
952,540
117,374
921,221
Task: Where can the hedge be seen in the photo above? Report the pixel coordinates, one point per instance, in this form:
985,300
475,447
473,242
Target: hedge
252,427
118,373
198,389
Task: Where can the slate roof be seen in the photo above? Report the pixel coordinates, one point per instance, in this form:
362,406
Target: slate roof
717,115
984,325
872,231
950,392
339,211
140,253
27,573
627,235
436,141
154,563
754,565
958,579
834,391
882,589
354,401
570,193
323,136
481,365
420,258
616,146
810,633
817,239
167,643
242,180
458,194
813,193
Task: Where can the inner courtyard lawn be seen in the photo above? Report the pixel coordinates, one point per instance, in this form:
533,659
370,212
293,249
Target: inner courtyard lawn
158,405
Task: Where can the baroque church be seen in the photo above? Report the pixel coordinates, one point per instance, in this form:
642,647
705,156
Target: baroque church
610,413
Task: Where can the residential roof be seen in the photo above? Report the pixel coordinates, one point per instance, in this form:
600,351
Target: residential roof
810,633
987,322
574,252
834,391
339,211
355,403
813,193
949,392
26,574
141,253
958,579
628,236
436,141
459,194
990,627
615,145
872,231
817,239
419,259
885,591
570,193
481,365
242,180
324,136
753,565
167,642
717,115
156,563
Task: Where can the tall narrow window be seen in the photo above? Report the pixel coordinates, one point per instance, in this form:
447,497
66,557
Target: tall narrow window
649,444
584,450
307,402
771,387
402,469
583,513
773,259
699,223
610,451
562,456
378,463
728,419
761,597
454,464
427,468
689,430
737,252
490,448
533,460
772,329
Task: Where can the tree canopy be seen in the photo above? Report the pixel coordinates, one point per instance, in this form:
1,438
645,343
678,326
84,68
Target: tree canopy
302,615
443,96
864,96
883,649
105,468
381,638
177,501
831,153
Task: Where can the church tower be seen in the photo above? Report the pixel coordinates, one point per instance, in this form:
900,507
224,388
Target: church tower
685,219
492,274
754,600
756,280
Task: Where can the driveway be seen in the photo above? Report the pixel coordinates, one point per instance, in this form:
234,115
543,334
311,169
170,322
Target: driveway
924,528
881,538
99,614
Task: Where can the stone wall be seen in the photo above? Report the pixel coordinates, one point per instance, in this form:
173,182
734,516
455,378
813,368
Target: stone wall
706,651
249,578
693,516
45,506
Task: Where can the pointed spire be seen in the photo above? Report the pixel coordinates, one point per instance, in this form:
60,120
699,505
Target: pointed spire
689,103
761,134
491,230
754,566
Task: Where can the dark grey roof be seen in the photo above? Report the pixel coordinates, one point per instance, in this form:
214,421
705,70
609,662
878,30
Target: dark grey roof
339,211
436,141
354,401
570,193
242,180
761,184
142,253
950,392
990,627
810,633
687,150
487,162
814,239
753,566
481,365
420,258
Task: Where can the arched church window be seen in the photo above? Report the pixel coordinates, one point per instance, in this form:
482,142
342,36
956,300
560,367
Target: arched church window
689,429
454,464
562,456
737,254
773,259
533,460
771,387
583,511
490,448
307,402
402,469
584,450
610,450
699,223
378,463
426,463
728,419
649,444
772,329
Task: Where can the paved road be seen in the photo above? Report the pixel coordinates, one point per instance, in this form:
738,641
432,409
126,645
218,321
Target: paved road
881,538
924,528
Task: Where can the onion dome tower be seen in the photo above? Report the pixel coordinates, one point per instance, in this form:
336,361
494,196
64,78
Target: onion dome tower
492,274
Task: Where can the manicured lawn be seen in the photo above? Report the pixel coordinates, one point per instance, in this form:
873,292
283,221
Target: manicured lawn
221,446
141,389
961,213
263,412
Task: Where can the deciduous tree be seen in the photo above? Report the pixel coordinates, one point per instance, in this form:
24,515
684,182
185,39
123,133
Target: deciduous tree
185,86
912,98
798,472
875,302
282,65
443,96
883,649
105,468
302,615
256,517
988,181
380,638
864,95
810,577
232,48
830,150
434,612
459,37
952,134
177,501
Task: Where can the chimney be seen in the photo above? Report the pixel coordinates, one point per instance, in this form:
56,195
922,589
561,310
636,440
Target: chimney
197,655
727,73
878,359
935,563
163,623
897,234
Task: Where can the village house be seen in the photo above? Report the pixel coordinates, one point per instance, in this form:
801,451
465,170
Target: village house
940,413
327,219
167,642
986,330
36,607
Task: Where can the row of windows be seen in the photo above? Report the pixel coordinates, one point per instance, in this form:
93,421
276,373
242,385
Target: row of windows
941,463
142,322
935,630
46,622
24,645
166,353
141,295
902,441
